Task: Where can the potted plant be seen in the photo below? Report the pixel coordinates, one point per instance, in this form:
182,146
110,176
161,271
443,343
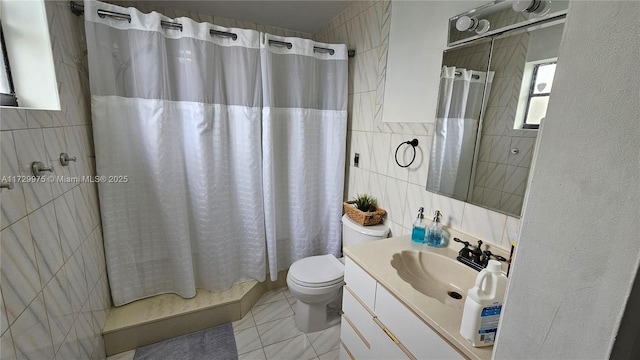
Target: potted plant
364,210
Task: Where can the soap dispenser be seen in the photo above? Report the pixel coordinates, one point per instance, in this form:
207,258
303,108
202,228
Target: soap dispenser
434,233
417,234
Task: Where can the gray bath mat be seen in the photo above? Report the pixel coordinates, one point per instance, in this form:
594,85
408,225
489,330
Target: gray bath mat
216,343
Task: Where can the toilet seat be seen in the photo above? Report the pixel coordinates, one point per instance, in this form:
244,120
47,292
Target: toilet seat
317,271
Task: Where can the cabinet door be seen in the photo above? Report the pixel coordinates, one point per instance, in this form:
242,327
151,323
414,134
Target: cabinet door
384,345
413,333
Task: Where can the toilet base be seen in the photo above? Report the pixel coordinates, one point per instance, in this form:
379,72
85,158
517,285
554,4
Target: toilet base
315,317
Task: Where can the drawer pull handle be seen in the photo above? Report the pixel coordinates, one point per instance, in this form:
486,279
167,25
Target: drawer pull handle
390,335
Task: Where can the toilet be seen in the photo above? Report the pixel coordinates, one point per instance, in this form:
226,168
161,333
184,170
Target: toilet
316,281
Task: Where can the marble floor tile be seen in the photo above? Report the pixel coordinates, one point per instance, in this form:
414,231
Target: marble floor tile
247,340
278,330
271,296
272,311
326,340
244,323
331,355
251,355
298,348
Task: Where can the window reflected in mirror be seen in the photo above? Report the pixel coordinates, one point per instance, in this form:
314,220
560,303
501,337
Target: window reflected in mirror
485,158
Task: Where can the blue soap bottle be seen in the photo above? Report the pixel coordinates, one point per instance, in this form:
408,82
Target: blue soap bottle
418,232
434,233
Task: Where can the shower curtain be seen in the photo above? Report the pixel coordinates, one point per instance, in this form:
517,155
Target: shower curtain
179,113
457,119
304,122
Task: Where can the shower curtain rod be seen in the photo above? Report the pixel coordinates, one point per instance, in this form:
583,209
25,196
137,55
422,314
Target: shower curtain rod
78,9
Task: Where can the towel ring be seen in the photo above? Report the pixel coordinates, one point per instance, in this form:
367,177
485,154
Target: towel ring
413,144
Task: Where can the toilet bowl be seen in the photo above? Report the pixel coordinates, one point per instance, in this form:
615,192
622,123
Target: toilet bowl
316,281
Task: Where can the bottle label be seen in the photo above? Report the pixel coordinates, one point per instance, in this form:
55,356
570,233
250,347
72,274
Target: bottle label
489,318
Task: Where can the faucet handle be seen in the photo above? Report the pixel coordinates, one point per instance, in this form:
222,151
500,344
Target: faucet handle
465,243
488,255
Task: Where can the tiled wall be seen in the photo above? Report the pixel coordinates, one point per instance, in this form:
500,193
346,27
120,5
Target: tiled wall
55,294
364,26
501,176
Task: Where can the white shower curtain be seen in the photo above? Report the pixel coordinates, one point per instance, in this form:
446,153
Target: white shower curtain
457,118
177,112
304,135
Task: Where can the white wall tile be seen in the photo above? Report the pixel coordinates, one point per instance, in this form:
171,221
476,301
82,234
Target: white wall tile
451,210
11,201
67,228
31,333
30,148
58,306
54,144
11,119
483,224
44,230
20,278
6,343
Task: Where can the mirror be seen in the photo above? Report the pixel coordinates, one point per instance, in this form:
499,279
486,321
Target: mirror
493,95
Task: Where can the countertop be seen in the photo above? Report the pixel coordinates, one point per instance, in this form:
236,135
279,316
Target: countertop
375,258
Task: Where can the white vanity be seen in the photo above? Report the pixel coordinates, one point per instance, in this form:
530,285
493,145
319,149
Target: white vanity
385,317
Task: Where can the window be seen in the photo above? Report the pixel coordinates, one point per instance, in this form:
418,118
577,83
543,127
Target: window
539,91
7,91
537,80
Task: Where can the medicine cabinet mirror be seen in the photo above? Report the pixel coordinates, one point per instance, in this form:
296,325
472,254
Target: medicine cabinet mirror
493,94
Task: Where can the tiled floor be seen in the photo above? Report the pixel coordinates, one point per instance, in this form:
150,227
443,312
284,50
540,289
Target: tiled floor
268,332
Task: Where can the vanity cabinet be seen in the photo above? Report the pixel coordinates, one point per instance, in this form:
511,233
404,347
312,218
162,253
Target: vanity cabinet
375,325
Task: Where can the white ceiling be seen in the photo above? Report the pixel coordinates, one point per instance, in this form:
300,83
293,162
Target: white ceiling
301,15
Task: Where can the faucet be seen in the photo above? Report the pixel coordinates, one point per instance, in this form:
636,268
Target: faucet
475,258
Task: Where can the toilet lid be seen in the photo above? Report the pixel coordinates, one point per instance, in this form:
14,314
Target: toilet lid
317,271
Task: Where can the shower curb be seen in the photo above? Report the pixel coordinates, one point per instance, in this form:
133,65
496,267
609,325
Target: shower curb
162,317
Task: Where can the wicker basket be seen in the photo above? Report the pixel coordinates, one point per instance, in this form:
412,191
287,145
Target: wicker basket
364,218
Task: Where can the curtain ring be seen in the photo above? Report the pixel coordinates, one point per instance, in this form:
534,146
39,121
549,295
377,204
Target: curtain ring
413,144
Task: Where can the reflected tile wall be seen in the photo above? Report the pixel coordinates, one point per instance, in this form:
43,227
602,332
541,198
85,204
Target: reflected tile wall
54,301
364,27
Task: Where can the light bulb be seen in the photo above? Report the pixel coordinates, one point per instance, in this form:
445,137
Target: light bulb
465,23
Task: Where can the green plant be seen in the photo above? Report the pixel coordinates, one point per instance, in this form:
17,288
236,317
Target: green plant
365,202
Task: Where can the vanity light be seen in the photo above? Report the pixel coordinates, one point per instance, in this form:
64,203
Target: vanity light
465,23
537,7
483,26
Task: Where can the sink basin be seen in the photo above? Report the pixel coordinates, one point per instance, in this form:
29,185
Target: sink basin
435,275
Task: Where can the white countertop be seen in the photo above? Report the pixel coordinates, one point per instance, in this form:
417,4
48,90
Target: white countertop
375,258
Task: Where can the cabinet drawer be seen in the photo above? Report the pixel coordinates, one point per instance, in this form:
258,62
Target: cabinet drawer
355,346
360,282
358,314
414,334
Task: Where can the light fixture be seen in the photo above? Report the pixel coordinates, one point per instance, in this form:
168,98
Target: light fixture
465,23
483,26
537,7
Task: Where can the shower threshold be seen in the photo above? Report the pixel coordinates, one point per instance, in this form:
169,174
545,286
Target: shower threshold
162,317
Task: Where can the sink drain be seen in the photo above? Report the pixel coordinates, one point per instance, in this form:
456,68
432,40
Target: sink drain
455,295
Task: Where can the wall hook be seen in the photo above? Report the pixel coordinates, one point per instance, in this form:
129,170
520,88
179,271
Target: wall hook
6,185
38,168
64,159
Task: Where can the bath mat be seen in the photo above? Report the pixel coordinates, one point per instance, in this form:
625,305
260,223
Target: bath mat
213,343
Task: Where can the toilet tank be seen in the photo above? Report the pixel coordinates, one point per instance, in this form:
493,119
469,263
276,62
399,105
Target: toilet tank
354,233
